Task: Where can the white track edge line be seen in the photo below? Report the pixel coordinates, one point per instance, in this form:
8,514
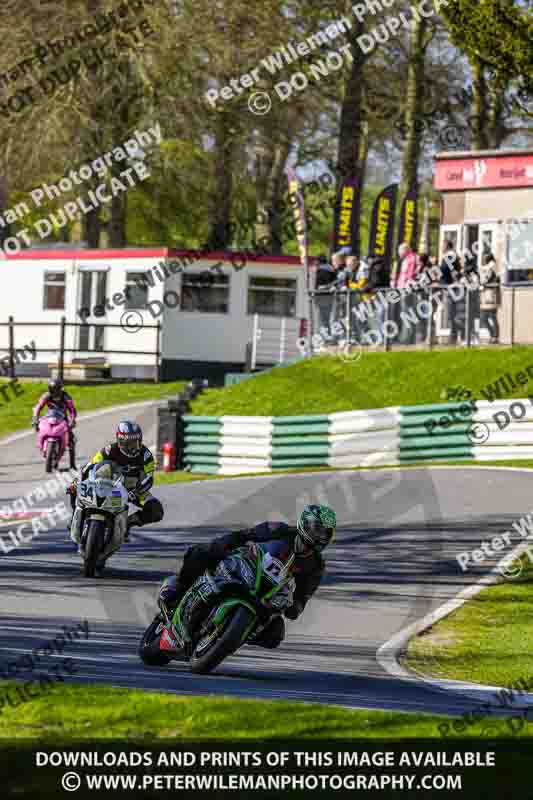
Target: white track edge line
388,653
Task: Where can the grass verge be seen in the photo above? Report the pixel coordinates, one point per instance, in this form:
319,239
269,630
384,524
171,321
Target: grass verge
76,713
487,640
16,414
327,384
179,476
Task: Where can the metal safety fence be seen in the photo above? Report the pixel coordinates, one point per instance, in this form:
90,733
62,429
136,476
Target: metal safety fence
455,314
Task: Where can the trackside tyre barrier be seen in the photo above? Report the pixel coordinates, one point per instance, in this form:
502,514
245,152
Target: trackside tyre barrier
231,445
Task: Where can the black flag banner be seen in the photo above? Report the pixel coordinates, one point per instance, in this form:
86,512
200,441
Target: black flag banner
408,227
381,234
346,215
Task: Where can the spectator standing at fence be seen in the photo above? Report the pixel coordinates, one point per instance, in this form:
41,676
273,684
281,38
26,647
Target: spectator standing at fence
353,297
338,261
423,293
490,297
352,266
407,272
362,286
450,263
379,280
326,277
471,279
450,271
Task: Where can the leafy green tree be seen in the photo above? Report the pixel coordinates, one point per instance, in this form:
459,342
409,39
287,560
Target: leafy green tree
498,35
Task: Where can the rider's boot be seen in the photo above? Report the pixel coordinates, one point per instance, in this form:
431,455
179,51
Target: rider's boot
133,520
99,569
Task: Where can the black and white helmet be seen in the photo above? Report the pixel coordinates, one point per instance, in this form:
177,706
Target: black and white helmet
55,388
129,438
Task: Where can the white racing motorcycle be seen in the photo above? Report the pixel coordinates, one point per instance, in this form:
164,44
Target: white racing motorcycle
100,519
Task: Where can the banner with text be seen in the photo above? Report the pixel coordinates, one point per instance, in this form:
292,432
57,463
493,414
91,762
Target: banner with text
297,201
346,216
408,227
381,234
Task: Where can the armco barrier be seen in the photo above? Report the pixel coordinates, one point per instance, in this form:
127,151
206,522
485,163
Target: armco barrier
231,445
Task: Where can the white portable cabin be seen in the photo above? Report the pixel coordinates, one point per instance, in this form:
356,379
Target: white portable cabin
112,300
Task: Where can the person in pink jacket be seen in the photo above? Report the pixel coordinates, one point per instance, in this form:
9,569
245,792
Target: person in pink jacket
56,397
408,266
407,273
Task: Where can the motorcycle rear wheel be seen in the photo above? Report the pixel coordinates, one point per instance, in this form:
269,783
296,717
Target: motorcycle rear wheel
226,644
93,546
51,447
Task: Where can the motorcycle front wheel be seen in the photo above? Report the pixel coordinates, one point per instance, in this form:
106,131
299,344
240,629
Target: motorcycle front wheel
224,645
94,544
51,446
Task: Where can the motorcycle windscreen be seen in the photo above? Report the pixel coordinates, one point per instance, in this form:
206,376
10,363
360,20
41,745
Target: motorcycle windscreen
106,492
278,556
54,416
106,471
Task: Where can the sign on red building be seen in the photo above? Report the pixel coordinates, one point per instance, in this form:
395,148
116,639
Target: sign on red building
484,173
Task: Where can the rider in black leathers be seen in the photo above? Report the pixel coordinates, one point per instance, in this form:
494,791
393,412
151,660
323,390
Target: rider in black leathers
137,464
314,530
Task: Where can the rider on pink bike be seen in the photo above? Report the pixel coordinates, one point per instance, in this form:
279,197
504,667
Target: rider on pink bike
56,398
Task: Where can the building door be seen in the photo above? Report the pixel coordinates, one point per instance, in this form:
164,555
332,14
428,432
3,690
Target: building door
487,240
92,298
470,238
450,233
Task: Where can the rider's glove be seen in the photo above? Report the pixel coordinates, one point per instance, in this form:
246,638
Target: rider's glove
132,497
294,611
72,424
35,422
72,488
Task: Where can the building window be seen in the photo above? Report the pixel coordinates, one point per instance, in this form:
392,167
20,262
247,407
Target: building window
272,296
54,291
206,291
520,252
136,291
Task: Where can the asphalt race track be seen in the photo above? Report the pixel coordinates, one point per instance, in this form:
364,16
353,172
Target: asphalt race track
393,562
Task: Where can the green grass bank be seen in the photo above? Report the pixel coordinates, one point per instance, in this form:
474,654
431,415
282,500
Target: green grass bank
73,712
327,384
487,640
16,414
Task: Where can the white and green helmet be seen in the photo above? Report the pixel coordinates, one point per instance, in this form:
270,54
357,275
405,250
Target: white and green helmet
316,527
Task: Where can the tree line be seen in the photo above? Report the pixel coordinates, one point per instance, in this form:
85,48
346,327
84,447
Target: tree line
217,179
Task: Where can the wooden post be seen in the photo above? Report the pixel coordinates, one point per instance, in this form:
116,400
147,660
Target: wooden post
11,347
61,368
158,353
430,321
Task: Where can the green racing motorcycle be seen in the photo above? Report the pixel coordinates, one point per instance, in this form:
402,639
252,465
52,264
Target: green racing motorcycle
224,609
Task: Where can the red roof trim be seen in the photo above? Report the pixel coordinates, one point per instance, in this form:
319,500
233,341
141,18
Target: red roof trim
87,255
163,252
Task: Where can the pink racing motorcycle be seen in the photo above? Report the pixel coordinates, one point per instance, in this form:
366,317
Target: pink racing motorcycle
55,436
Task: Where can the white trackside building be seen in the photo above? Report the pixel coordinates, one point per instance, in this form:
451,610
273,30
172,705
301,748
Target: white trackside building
207,307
